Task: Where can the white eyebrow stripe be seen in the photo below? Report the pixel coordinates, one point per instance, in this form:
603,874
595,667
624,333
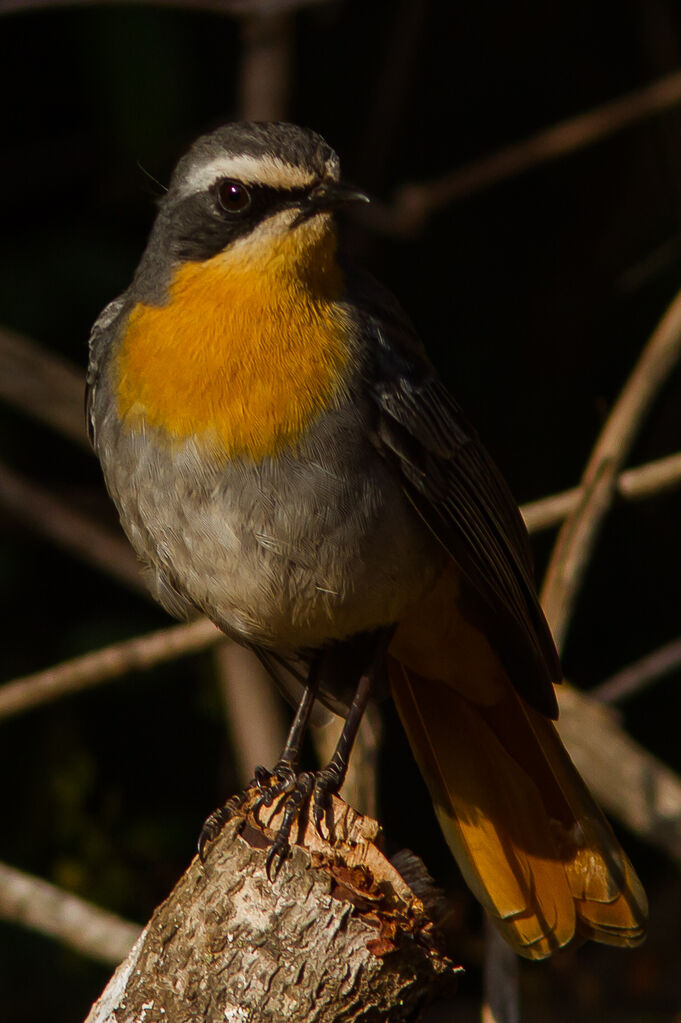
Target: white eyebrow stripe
261,170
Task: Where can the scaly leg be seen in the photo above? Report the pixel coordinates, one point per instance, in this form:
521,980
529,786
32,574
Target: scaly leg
323,784
330,779
284,771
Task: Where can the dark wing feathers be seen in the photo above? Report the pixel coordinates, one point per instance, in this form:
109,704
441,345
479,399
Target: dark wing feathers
464,500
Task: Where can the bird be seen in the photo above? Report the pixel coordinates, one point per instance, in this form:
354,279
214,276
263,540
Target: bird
286,461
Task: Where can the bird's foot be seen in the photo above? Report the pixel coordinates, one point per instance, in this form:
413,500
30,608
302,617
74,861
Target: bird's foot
274,783
293,790
269,784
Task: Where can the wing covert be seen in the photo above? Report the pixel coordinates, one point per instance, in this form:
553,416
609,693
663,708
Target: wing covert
461,496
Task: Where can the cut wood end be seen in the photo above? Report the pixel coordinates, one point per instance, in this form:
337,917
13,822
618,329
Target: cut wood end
359,873
338,934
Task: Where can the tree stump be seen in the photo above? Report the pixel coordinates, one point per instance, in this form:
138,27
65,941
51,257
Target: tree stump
339,935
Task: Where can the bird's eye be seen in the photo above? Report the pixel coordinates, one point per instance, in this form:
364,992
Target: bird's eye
233,196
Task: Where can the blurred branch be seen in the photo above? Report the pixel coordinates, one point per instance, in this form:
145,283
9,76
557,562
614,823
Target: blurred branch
254,720
266,57
640,674
80,925
359,788
501,980
578,535
235,8
634,786
632,485
42,385
111,662
414,203
79,534
266,7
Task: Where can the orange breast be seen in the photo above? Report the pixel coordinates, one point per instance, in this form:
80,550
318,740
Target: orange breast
244,354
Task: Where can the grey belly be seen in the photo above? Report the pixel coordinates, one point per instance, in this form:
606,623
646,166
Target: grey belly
288,554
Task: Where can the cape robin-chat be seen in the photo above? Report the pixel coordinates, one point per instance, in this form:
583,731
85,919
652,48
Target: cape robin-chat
286,461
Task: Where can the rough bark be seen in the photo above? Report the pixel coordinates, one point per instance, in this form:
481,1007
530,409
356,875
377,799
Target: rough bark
337,936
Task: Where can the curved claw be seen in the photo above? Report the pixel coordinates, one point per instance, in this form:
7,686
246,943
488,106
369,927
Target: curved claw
279,850
215,822
327,783
262,800
211,828
318,811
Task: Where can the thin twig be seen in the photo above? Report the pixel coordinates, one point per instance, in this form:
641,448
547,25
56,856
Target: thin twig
111,662
578,535
632,485
252,710
80,925
77,533
414,203
639,675
43,385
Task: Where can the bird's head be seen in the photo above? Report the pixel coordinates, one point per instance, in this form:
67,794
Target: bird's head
259,197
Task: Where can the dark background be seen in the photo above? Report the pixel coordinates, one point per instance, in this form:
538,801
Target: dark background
534,298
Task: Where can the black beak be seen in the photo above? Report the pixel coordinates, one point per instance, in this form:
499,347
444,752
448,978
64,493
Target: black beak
328,196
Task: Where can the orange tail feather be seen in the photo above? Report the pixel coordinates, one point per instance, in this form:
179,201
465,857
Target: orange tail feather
530,840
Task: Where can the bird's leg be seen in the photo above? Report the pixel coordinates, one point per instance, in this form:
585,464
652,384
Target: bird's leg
284,771
322,784
329,780
294,788
285,781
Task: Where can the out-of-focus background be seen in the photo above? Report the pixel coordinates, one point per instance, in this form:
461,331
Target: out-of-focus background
535,278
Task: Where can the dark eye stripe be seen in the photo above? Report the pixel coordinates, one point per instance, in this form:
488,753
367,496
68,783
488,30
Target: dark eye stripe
196,236
264,199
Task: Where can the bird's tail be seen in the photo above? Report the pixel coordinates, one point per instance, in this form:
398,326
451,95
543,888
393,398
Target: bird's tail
531,842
